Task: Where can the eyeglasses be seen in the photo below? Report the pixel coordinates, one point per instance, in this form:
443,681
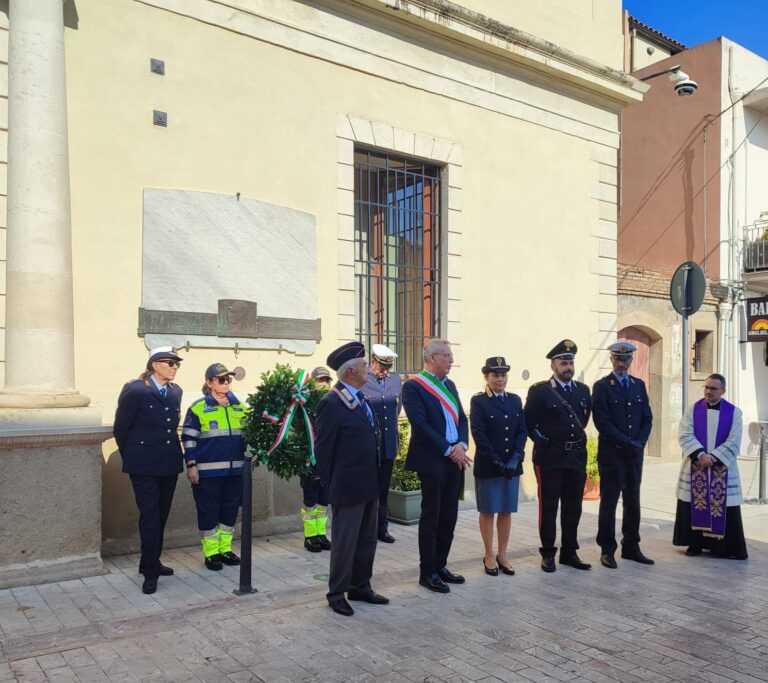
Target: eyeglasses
445,355
222,380
706,388
170,363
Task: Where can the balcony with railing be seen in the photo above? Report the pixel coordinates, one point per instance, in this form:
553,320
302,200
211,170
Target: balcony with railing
755,251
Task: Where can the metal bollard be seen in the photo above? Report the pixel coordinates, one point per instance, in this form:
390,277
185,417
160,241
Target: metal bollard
761,491
246,538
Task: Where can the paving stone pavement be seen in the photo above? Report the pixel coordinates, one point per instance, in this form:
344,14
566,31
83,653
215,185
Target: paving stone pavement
684,619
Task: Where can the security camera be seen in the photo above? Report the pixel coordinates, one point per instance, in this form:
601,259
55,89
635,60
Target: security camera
686,88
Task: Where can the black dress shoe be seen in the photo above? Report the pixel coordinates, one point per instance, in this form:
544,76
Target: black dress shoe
149,586
370,596
214,563
693,552
325,544
312,544
165,571
230,558
637,556
505,569
386,537
575,562
341,606
490,572
434,583
449,577
608,560
548,564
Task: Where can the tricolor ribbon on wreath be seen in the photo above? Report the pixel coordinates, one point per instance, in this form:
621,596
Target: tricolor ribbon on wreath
299,396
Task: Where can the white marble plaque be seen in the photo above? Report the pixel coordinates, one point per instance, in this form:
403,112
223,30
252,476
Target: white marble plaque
200,247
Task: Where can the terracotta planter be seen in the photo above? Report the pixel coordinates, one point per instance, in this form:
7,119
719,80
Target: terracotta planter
592,490
404,506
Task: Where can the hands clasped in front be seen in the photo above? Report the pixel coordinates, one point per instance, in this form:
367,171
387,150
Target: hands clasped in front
459,456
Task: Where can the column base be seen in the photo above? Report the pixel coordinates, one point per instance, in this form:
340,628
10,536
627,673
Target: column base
51,571
13,418
50,495
32,400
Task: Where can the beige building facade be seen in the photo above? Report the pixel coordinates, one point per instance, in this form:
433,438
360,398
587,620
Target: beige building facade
266,108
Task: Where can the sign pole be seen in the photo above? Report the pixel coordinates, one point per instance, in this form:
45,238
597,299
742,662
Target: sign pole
246,537
686,311
686,292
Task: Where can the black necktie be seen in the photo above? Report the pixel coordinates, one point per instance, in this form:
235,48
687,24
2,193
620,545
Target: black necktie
164,391
568,389
500,397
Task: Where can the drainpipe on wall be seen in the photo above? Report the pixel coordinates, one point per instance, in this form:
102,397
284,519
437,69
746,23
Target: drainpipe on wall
738,191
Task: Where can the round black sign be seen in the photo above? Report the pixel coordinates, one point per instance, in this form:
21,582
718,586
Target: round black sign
689,284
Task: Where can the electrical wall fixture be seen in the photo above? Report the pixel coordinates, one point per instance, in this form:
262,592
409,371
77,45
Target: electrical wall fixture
157,66
683,84
160,118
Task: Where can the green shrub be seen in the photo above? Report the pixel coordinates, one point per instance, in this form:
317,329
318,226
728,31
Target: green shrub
402,479
593,472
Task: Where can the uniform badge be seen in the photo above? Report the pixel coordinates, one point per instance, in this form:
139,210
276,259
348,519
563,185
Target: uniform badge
213,424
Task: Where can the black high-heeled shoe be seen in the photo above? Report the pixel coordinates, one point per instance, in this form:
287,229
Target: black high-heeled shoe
490,572
506,570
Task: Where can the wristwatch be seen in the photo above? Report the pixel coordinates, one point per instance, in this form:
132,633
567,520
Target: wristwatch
190,465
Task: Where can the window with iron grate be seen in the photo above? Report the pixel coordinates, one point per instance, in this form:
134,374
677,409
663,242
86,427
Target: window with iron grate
397,254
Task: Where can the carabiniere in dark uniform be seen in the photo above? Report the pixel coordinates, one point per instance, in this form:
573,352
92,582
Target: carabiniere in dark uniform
556,414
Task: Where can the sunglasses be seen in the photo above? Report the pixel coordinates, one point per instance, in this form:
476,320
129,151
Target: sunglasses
170,363
222,380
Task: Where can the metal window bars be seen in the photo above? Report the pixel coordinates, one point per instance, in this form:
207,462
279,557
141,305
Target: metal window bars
397,254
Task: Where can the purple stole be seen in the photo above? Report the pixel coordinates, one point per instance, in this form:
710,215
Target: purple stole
709,485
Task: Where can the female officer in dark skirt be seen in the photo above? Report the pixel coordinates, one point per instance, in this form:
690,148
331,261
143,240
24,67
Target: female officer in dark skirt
498,428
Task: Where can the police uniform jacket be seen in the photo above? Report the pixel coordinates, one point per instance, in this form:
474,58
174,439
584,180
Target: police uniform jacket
498,428
620,417
385,400
145,429
556,421
427,445
346,449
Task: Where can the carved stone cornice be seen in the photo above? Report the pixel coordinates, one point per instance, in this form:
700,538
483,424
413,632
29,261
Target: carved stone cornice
53,437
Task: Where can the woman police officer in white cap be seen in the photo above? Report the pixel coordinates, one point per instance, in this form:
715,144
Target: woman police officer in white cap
145,429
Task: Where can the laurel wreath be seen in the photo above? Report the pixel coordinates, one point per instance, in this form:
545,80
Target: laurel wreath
270,417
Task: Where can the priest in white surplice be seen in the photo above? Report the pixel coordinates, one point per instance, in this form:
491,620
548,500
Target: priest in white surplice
708,490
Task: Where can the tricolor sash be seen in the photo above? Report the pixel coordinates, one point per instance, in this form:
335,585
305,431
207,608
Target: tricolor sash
709,485
441,392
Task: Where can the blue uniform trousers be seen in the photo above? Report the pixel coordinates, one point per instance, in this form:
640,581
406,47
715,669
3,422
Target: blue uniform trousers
385,477
217,499
154,496
621,479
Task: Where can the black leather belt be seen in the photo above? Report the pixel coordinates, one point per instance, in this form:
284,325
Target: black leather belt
569,445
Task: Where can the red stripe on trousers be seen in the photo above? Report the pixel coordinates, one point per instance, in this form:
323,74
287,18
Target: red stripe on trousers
537,469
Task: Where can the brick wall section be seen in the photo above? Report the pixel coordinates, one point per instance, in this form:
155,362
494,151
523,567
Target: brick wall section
648,283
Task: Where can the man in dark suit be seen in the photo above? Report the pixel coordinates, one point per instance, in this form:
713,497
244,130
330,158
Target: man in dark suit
346,449
623,419
145,429
556,414
437,452
383,389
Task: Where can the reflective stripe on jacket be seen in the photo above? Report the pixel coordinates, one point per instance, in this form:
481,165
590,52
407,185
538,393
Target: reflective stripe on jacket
212,436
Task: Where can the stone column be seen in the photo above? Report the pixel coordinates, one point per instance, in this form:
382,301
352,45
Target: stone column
39,358
50,440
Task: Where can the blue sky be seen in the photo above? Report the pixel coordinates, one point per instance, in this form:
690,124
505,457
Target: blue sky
691,22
